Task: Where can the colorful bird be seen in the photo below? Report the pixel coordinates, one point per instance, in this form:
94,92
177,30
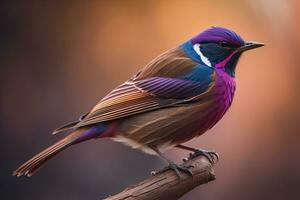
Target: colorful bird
177,96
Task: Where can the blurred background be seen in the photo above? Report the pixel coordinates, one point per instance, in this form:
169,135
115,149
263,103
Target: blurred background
58,58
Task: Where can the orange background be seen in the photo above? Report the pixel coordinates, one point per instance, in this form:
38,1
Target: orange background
58,59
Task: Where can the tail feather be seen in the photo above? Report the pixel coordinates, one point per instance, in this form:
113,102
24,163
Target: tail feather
70,125
66,127
35,163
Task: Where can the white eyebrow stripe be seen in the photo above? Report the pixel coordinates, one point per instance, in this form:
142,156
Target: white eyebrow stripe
204,59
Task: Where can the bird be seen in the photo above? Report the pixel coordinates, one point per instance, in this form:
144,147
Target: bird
176,97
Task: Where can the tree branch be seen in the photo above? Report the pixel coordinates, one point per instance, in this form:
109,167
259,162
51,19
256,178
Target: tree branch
166,185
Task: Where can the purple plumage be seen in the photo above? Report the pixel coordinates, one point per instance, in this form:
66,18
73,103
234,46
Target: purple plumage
224,92
171,87
218,34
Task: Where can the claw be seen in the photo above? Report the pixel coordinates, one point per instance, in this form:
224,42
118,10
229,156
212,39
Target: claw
172,165
177,169
211,156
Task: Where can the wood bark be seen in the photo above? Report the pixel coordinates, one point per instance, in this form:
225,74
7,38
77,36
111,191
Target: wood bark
166,185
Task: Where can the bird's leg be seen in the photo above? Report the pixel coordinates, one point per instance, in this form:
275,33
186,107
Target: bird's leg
213,157
172,165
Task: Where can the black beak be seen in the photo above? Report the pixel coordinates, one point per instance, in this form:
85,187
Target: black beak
250,45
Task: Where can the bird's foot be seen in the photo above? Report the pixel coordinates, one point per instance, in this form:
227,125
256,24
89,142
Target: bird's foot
177,169
211,156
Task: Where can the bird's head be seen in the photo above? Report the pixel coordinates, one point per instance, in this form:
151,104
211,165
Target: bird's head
221,48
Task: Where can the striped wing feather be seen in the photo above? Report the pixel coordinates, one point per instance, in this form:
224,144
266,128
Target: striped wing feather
154,87
129,99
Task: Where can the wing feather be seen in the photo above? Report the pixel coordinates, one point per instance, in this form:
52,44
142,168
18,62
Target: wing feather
117,105
156,86
143,96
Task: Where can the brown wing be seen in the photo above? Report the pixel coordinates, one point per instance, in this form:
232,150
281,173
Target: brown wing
129,99
125,100
172,63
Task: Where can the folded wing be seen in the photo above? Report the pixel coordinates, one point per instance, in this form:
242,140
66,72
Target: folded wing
141,96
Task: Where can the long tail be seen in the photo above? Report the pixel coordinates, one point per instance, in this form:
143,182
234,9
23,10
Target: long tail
80,135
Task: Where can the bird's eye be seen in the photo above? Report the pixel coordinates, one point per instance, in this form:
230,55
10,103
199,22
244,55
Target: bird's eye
224,44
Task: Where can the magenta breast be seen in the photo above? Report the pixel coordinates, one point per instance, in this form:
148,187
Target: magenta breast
220,100
223,92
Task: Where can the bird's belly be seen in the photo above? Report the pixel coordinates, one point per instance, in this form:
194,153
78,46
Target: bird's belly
167,127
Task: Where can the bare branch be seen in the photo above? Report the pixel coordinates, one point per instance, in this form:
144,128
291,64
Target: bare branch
166,185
